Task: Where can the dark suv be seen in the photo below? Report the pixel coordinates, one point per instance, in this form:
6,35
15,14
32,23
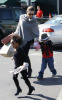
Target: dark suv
9,17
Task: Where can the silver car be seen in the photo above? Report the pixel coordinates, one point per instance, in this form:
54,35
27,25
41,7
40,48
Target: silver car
53,27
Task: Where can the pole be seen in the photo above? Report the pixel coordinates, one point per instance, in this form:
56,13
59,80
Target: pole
58,7
28,2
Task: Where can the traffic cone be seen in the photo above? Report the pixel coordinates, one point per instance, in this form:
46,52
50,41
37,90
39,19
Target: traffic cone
49,15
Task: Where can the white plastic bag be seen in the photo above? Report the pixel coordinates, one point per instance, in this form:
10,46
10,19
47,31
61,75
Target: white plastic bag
7,50
19,69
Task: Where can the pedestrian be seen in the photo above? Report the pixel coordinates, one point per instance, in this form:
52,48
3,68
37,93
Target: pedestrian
20,58
28,30
46,46
39,13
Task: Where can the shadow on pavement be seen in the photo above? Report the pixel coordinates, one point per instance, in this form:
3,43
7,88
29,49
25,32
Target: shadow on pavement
28,97
29,77
39,95
50,81
32,77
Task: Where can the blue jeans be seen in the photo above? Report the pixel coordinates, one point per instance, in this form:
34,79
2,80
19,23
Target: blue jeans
50,62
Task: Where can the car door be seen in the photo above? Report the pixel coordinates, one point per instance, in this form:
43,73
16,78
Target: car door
7,21
57,33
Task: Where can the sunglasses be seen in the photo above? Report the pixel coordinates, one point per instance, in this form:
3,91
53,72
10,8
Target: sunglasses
31,14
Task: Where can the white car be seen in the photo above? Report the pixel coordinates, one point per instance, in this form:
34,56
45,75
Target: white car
53,27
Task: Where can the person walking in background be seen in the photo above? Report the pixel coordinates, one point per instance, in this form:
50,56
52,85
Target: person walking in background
39,12
47,55
20,58
28,30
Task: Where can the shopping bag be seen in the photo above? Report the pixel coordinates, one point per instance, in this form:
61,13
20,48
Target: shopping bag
36,45
6,40
19,69
7,50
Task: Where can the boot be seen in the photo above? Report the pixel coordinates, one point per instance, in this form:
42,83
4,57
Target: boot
31,90
18,91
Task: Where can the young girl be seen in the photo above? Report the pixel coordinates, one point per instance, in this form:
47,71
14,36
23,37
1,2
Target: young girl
20,58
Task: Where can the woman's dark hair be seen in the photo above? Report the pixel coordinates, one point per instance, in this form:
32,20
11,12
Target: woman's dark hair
17,39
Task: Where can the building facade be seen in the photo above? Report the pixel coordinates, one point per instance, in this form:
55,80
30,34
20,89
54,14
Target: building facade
48,6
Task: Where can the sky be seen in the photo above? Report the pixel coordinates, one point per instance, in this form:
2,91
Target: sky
2,1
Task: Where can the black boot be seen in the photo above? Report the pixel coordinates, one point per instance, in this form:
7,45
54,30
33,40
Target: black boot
31,90
18,91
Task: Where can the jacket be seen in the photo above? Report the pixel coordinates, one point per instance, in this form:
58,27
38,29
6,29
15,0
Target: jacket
27,28
47,49
20,57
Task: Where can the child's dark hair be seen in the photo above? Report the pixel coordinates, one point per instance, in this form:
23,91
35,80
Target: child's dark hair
17,39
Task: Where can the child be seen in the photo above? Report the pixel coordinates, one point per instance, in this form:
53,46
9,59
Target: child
47,55
20,58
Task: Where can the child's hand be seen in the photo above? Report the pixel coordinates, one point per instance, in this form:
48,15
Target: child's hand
36,45
37,48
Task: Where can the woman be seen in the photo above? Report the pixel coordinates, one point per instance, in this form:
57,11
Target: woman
28,30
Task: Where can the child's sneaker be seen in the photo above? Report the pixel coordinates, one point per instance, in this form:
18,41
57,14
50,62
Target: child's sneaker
54,72
53,75
39,78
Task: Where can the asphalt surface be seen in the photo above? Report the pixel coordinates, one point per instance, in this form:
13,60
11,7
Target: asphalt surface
46,89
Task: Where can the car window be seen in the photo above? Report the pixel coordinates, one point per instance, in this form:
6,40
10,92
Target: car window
18,13
6,14
55,20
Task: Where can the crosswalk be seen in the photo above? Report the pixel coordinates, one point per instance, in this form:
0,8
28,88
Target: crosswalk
39,53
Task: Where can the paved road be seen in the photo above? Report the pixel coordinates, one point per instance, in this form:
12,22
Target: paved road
46,89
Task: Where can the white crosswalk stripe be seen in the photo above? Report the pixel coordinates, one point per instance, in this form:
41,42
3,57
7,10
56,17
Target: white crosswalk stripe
39,54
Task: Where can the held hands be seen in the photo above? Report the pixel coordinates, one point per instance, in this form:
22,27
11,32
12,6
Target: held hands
36,45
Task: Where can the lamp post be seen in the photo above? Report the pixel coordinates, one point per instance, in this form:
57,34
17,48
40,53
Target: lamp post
58,7
28,2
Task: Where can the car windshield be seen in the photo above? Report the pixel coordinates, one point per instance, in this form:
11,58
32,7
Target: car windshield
54,20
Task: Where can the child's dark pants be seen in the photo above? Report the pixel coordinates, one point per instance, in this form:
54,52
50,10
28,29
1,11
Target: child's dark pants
24,74
50,62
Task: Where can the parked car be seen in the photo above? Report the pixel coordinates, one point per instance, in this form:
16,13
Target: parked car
9,17
53,27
